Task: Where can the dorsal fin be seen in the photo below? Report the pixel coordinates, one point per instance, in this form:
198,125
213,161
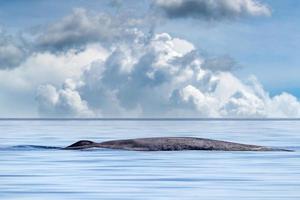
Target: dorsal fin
81,143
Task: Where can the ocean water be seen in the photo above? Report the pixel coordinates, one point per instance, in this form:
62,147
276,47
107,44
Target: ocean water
31,172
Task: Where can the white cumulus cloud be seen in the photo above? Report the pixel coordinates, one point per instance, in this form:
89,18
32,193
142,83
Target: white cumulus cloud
165,77
64,102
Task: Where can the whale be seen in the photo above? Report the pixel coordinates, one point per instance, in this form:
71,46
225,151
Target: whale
169,144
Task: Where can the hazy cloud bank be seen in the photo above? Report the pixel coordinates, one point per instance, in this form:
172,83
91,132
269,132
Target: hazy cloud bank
94,64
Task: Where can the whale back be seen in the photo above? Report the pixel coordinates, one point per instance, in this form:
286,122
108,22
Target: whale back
179,144
171,144
82,144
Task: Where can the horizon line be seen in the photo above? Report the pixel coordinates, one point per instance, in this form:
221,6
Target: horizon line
143,119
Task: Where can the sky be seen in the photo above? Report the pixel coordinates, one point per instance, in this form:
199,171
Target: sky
149,58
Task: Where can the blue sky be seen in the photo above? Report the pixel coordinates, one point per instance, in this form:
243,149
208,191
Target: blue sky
265,46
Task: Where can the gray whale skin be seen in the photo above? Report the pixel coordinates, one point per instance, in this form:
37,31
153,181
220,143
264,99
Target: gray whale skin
170,144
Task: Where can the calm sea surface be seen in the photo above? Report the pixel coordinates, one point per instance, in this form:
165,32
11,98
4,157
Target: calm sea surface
29,172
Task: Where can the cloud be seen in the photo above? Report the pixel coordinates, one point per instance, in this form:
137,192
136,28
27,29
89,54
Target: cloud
64,102
74,32
47,67
284,105
82,27
12,52
163,77
93,65
39,69
212,9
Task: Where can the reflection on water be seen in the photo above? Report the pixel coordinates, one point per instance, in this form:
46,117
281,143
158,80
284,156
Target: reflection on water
28,171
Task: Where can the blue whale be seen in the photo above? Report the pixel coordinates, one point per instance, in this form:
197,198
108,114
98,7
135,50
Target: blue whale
170,144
